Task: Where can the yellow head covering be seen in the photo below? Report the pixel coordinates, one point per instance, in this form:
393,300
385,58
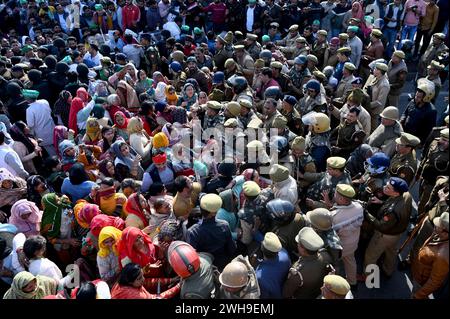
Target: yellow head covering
76,210
105,233
134,125
172,98
93,129
160,140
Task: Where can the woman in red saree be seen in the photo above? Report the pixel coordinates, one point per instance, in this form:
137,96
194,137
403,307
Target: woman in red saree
78,103
136,247
131,286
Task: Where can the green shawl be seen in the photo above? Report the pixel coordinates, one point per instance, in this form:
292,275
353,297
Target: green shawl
51,218
45,286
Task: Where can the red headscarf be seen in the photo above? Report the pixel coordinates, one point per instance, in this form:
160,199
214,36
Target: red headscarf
127,251
77,105
133,206
102,220
86,214
125,124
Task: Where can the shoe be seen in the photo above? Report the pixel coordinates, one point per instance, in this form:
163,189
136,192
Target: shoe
361,277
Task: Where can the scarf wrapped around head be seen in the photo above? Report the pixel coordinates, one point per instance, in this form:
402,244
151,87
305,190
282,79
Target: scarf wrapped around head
59,133
102,220
115,148
86,213
133,206
125,124
190,100
93,129
127,253
77,105
29,226
44,286
105,233
170,229
127,95
51,218
105,194
171,97
135,125
64,146
8,196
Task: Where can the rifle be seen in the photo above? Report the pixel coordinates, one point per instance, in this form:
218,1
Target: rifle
413,233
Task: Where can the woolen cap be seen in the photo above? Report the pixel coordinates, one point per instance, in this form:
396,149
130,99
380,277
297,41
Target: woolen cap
234,108
251,188
309,239
337,284
400,54
407,140
336,162
271,242
279,173
211,202
214,105
298,144
345,190
319,218
349,66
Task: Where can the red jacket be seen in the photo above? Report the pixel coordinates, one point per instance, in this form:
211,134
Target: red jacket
130,16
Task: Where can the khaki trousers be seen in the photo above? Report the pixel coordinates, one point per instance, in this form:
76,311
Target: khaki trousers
379,244
350,268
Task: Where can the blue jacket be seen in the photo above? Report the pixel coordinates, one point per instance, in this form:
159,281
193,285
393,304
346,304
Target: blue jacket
214,237
271,275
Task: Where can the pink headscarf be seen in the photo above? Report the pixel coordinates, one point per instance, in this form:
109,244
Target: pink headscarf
359,12
29,226
58,136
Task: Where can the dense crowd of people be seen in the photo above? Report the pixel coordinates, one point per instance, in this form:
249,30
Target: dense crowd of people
232,149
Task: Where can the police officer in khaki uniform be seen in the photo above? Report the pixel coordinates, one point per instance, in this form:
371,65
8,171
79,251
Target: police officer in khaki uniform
287,44
404,162
281,78
245,61
306,275
345,84
301,48
303,163
433,164
320,48
312,63
391,221
397,71
433,71
335,287
253,47
436,47
377,86
222,53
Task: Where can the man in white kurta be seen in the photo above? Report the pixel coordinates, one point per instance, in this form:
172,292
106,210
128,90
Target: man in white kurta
40,122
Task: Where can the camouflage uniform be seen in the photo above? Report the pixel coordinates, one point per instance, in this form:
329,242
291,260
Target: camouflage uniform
298,79
294,123
254,50
321,51
323,182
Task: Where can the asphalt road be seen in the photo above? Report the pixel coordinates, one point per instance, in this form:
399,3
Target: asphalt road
399,286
